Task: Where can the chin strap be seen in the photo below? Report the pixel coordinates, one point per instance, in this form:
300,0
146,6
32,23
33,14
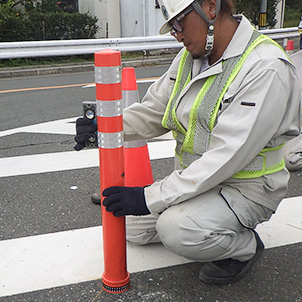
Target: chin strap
210,35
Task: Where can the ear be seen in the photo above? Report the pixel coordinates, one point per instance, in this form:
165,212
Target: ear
209,7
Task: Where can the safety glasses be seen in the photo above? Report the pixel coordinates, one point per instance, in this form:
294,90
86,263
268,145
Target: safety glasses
175,23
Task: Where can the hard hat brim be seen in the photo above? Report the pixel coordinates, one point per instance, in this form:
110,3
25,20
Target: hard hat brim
165,28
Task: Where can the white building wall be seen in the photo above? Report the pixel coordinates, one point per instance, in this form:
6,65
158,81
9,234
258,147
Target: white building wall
132,19
155,19
124,18
140,18
108,14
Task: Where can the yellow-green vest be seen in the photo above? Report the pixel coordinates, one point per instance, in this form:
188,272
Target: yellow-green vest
194,141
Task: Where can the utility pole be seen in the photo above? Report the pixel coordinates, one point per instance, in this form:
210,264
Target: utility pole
300,31
262,15
281,11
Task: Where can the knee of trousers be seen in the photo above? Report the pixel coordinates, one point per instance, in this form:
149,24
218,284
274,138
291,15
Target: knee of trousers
141,230
185,238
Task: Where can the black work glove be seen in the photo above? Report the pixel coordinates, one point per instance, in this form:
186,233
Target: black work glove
125,201
85,130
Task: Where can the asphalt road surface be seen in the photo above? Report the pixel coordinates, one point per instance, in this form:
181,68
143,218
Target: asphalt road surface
50,238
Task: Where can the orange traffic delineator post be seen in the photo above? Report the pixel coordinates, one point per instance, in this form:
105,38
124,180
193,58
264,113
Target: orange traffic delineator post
109,109
138,170
290,47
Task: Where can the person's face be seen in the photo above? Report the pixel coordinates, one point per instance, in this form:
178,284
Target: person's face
193,33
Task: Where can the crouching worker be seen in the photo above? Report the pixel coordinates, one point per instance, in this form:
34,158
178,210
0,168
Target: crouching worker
231,98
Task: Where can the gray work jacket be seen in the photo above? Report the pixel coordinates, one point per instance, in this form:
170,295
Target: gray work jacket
267,79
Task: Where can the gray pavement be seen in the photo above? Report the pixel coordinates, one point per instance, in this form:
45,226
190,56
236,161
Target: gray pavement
276,277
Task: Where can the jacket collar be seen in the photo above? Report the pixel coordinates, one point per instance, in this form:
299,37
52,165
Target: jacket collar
240,39
235,48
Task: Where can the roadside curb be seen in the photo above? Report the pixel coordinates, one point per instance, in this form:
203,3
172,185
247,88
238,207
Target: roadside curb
31,72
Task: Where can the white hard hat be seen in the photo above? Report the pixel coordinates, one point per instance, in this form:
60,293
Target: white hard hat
170,9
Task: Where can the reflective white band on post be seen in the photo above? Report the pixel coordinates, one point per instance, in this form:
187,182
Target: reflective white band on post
107,75
110,140
109,108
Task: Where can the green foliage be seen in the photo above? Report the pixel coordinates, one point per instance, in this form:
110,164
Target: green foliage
293,12
251,8
10,15
36,21
11,29
60,25
44,7
294,5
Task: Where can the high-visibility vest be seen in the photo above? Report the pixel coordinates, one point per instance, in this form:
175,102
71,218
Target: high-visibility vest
193,142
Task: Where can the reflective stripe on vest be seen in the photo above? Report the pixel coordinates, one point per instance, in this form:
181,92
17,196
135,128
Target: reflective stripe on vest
194,141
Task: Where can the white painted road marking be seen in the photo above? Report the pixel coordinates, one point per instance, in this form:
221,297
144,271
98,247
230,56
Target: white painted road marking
139,81
62,161
62,258
65,126
58,259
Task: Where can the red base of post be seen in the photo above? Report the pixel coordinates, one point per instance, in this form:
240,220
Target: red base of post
116,279
116,287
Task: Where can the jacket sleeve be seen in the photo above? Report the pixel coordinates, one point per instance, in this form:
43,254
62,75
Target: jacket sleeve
264,111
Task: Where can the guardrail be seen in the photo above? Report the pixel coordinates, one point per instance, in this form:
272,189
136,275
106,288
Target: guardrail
10,50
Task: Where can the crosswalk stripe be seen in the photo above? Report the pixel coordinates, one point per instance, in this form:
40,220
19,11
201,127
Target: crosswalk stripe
62,258
64,126
62,161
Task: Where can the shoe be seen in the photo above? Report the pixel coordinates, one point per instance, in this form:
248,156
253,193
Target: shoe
229,270
95,198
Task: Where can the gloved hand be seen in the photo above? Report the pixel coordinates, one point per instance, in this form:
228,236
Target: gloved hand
85,129
125,201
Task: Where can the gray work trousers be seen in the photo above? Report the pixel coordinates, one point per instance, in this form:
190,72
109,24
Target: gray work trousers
205,228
